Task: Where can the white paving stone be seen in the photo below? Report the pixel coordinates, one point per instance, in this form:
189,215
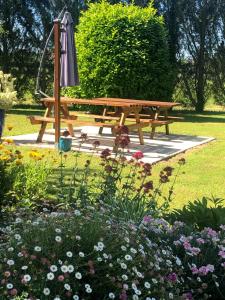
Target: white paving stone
160,148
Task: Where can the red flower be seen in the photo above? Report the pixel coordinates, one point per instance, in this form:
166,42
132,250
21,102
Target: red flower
138,155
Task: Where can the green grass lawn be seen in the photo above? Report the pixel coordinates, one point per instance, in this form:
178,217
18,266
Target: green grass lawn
204,172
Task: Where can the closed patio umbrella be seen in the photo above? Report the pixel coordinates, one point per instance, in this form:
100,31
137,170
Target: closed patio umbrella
69,69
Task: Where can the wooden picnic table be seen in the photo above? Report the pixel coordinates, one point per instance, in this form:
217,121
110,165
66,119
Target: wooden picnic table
124,110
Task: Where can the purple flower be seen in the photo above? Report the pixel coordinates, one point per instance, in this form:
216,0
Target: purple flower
172,277
147,219
188,296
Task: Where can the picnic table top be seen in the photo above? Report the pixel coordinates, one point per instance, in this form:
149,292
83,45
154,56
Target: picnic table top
117,102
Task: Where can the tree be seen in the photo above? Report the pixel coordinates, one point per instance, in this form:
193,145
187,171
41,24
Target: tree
199,20
123,52
26,25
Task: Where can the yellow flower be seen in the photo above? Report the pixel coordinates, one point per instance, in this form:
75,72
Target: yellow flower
35,155
20,156
9,127
8,141
1,146
19,162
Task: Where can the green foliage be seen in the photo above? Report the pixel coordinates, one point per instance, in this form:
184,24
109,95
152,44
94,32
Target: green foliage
207,212
7,92
21,184
123,52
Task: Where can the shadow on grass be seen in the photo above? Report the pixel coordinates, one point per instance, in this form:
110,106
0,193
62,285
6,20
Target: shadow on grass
205,117
189,116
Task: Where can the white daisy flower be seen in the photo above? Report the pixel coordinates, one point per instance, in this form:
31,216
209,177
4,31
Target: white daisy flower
124,277
58,239
128,257
70,268
17,237
50,276
10,262
78,238
24,267
37,249
46,291
27,277
78,275
123,266
67,287
58,230
132,250
111,296
64,269
53,268
89,290
147,285
135,297
69,254
9,286
75,297
81,254
10,249
137,292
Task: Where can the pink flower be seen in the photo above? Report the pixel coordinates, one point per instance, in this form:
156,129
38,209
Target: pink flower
138,155
123,295
200,241
60,278
204,270
187,245
13,292
7,274
194,270
222,253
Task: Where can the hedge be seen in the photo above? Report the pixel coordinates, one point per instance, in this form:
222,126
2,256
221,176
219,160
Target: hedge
123,52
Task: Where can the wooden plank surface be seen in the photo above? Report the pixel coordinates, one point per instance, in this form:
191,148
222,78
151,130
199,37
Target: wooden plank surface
146,103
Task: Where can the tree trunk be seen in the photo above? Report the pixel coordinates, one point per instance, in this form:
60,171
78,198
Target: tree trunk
2,119
200,85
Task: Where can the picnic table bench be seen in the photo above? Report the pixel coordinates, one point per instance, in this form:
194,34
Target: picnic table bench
124,110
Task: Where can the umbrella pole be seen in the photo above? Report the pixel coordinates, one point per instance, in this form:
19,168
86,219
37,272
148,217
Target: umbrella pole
57,78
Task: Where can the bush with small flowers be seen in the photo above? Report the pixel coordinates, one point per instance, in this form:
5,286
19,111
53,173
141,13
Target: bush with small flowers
85,254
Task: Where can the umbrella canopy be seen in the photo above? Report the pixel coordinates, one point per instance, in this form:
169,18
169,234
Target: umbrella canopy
69,68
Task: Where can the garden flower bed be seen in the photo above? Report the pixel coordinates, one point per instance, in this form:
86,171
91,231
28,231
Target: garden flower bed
85,254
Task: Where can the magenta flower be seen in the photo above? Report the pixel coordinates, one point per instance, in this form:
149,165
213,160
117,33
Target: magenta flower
138,155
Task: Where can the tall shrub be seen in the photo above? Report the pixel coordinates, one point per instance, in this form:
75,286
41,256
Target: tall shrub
123,52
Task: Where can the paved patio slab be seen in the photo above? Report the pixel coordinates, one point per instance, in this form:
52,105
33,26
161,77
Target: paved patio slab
161,148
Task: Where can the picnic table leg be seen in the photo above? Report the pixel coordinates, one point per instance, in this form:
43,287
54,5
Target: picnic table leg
66,114
104,114
140,132
154,127
44,124
167,125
